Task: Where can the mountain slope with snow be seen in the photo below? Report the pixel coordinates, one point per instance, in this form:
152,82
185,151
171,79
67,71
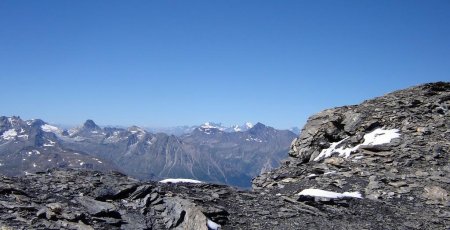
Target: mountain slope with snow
209,153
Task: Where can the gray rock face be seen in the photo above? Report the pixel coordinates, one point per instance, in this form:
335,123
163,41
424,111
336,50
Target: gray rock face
411,169
419,113
76,206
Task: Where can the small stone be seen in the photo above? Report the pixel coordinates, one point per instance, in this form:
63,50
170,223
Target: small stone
435,193
55,207
41,212
423,130
421,173
335,161
95,207
264,212
140,192
50,215
403,190
398,184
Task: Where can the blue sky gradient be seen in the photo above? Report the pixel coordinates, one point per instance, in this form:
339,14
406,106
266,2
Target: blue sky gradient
167,63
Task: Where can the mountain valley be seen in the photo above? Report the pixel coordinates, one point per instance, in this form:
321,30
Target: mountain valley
209,153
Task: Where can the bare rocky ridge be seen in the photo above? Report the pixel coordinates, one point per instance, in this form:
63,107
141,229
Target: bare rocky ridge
412,170
403,180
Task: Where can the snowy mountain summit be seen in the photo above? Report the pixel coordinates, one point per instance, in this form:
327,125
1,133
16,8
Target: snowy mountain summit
234,128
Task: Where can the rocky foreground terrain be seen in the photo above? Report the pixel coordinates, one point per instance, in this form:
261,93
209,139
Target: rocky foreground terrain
383,164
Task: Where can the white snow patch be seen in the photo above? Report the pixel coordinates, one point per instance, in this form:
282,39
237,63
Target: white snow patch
9,134
377,137
327,194
254,139
206,127
34,165
179,180
78,138
49,159
33,152
100,162
49,128
135,129
380,136
330,172
24,136
81,163
72,132
50,143
311,175
213,225
1,164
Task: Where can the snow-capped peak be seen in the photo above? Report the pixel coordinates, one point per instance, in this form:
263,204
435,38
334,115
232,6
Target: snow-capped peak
136,129
50,128
211,125
235,128
241,128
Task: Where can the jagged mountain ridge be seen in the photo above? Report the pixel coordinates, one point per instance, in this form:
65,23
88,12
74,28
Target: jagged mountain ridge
229,157
183,130
30,146
398,159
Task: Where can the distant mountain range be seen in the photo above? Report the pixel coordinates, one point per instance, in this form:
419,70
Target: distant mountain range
209,152
181,130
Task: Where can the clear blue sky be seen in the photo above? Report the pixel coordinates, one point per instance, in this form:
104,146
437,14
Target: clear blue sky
176,62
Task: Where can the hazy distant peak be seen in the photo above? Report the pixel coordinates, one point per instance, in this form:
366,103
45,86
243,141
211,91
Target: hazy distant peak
136,129
90,124
259,125
212,125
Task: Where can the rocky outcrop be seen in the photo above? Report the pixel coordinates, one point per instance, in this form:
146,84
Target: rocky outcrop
419,113
393,149
75,199
383,164
90,200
